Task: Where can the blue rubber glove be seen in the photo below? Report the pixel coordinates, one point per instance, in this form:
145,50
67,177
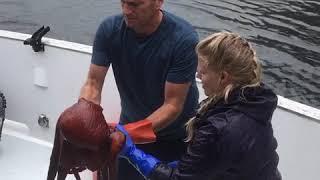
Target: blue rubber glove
173,164
143,162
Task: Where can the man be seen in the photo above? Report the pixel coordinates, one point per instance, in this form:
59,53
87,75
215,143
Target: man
154,63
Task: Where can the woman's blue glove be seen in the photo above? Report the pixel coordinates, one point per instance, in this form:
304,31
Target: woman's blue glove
142,162
173,164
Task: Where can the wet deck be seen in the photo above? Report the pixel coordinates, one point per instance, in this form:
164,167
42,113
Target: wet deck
24,157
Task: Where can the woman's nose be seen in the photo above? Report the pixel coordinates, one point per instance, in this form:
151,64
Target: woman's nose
198,76
126,10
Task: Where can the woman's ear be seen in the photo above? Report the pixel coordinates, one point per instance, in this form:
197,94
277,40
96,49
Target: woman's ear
225,78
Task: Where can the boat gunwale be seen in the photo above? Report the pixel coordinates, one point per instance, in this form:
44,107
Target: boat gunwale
21,131
283,103
82,48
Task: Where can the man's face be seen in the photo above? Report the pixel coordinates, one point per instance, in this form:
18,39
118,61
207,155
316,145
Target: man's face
139,13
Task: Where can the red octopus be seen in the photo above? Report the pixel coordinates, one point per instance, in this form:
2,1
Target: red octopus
83,140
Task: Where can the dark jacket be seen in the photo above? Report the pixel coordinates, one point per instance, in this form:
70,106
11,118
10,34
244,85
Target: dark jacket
233,141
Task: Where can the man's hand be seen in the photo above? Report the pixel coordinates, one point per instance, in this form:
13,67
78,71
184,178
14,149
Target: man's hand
117,143
128,143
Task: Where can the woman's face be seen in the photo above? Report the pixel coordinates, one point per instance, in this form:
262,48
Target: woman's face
211,80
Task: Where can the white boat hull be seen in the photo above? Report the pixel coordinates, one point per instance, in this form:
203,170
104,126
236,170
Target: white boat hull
48,82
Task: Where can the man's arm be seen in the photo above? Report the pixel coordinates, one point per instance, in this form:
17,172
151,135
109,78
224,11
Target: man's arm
175,95
91,90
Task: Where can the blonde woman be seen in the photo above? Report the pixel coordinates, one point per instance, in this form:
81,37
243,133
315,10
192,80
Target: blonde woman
231,137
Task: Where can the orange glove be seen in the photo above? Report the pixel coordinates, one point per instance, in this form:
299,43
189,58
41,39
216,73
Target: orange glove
141,132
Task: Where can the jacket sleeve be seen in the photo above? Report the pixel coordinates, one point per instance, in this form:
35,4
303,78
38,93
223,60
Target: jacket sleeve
198,160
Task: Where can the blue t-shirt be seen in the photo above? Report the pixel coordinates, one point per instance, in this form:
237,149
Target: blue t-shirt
141,67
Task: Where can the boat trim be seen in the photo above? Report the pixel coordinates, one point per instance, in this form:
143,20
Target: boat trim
283,102
12,130
49,42
296,107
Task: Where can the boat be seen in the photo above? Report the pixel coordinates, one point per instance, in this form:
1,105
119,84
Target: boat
38,86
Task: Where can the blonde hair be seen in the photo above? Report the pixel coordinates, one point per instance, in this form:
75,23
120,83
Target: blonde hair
233,54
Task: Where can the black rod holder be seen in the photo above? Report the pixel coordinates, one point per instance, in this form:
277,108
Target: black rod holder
3,106
35,40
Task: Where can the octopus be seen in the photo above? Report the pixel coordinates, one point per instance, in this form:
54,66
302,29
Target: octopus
83,140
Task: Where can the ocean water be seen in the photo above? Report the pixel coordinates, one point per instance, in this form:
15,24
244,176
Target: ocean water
286,33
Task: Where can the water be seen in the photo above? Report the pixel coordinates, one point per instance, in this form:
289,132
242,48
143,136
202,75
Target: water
285,33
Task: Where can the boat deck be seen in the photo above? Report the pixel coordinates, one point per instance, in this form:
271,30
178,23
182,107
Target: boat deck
20,158
25,157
